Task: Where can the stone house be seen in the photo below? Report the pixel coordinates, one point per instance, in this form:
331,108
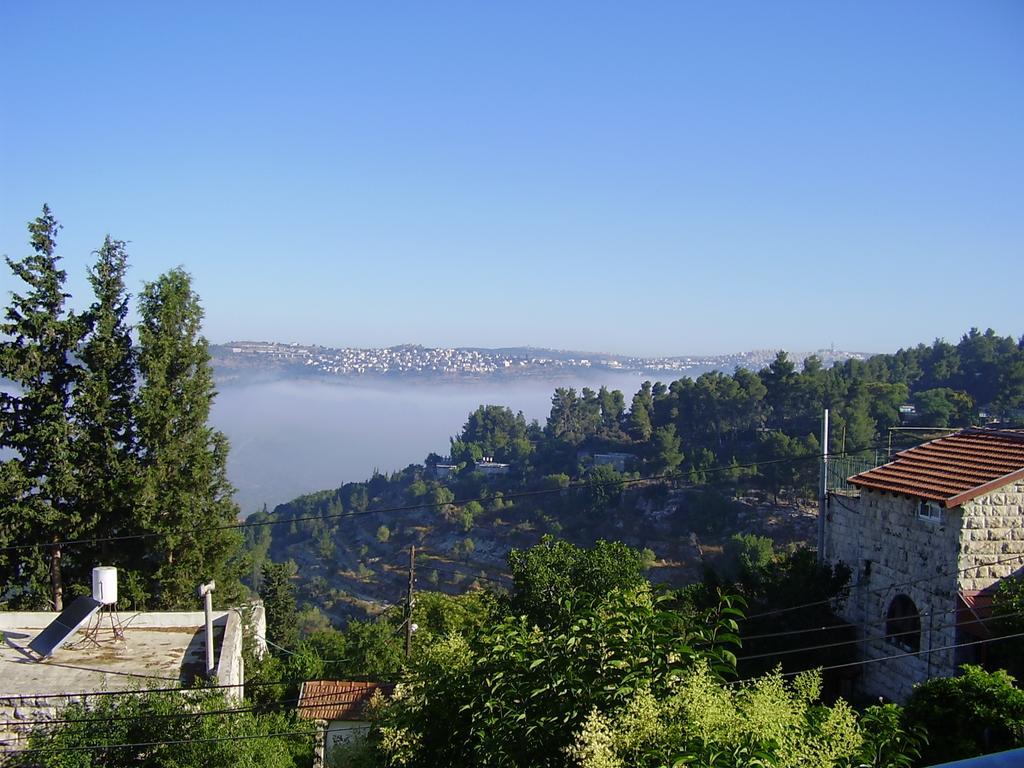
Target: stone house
339,709
927,539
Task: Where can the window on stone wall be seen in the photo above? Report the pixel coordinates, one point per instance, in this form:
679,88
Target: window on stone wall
903,624
930,511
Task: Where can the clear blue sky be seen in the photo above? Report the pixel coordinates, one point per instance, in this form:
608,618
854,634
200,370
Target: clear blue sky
650,178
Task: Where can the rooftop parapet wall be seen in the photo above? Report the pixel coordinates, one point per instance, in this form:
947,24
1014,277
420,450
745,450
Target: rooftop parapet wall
157,650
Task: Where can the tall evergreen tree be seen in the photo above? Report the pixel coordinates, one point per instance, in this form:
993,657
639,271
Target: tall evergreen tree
38,483
185,494
105,459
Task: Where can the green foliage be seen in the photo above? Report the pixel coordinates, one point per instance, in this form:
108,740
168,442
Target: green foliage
169,729
973,714
640,415
105,455
375,649
944,407
39,484
555,578
494,431
666,455
702,723
516,694
788,462
278,597
748,559
468,513
1008,619
438,615
602,489
183,461
889,741
786,580
573,418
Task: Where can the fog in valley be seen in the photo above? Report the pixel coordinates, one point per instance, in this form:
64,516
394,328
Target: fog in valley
294,437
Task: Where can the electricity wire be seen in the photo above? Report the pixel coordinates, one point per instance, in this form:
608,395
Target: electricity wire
573,486
889,658
868,639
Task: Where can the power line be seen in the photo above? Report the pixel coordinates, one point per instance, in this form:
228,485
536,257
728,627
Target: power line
573,486
281,734
894,656
880,590
130,691
867,639
309,702
834,627
172,742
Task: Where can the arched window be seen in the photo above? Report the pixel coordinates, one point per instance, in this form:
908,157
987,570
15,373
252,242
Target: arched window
903,624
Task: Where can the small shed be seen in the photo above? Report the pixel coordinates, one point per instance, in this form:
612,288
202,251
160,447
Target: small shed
339,708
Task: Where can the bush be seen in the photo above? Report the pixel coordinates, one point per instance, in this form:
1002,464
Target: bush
974,714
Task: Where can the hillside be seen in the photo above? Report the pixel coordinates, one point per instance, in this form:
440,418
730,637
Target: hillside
246,360
679,471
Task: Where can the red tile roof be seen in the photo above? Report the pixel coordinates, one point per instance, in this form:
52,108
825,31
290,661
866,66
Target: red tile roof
954,469
337,699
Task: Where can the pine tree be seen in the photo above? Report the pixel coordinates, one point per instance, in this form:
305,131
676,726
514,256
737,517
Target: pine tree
278,595
38,483
184,482
105,459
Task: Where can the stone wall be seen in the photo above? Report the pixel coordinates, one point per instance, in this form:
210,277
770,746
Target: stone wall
19,714
993,536
891,551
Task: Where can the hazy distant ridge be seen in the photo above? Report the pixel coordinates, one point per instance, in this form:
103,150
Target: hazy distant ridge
241,359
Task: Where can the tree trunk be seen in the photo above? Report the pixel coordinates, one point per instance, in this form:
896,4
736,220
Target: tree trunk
55,579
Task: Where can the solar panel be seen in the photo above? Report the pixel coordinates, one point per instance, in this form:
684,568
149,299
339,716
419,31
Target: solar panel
65,625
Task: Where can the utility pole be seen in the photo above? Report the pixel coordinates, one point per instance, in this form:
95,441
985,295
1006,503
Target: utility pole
408,601
823,487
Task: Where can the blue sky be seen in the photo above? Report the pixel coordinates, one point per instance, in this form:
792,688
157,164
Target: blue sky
651,178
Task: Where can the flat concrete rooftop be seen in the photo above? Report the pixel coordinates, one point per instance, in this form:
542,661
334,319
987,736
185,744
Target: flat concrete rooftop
162,648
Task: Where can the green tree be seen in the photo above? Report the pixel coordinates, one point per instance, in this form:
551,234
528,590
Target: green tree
747,559
640,413
944,407
185,492
554,578
602,489
493,431
38,483
105,457
613,405
666,455
278,594
567,420
517,694
1008,619
973,714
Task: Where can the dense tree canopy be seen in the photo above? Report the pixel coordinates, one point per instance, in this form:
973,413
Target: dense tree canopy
107,442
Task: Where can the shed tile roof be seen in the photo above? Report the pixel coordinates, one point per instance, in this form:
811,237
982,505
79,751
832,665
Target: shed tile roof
337,699
952,470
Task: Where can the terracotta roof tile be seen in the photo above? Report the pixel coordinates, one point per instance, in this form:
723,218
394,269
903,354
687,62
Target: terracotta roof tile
337,699
954,469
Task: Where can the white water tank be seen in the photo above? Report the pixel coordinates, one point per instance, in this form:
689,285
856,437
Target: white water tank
104,584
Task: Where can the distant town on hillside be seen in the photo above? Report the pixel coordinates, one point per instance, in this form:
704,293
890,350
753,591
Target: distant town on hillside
242,359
